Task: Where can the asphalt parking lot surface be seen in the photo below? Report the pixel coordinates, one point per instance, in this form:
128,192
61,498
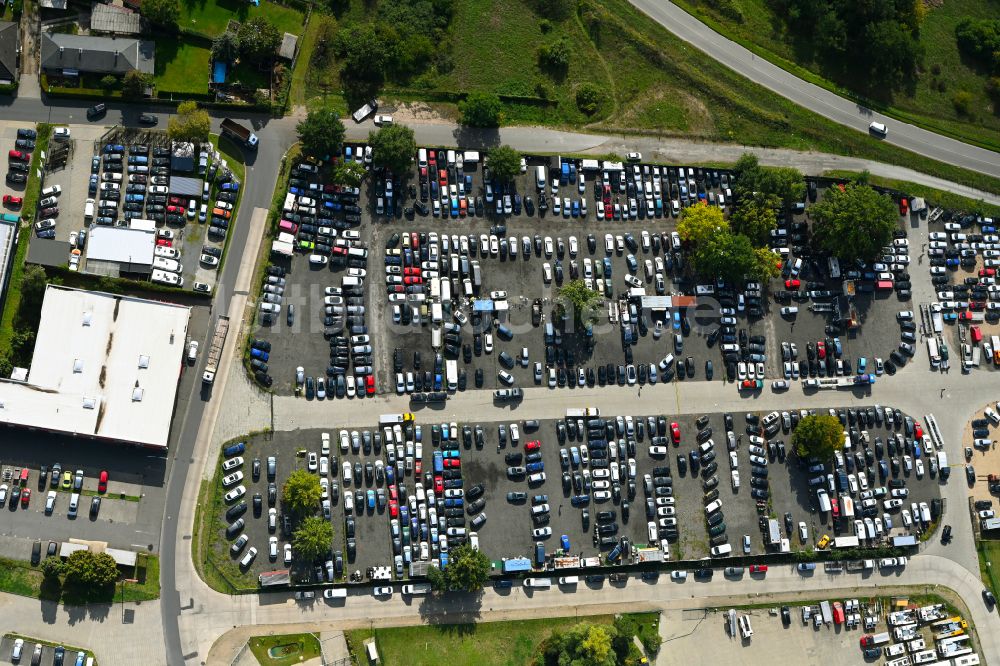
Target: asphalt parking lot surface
47,655
508,530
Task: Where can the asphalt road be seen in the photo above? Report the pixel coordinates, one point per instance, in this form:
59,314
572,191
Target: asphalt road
812,97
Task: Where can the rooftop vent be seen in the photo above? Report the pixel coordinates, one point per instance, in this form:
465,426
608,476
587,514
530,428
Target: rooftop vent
143,361
88,317
78,365
89,403
137,394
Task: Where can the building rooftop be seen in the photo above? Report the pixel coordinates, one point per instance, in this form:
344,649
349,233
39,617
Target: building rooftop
103,55
114,19
103,366
121,244
8,51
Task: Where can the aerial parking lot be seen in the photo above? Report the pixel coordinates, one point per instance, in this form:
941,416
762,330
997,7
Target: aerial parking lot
618,488
483,303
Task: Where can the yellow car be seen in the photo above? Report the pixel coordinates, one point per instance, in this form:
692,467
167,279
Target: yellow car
67,480
824,542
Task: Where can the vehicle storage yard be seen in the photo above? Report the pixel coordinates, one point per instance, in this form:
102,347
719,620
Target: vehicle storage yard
653,485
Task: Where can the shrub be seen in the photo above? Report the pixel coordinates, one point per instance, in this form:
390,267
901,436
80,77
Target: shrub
588,98
962,101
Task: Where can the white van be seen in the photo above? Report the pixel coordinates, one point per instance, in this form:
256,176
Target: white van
88,209
335,593
422,157
417,589
472,156
538,582
540,177
569,580
74,504
746,631
317,260
351,281
273,308
721,551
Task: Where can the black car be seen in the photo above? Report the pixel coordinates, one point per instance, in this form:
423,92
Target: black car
97,111
147,119
95,507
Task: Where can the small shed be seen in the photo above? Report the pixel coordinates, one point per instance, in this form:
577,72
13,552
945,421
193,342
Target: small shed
289,45
183,186
182,156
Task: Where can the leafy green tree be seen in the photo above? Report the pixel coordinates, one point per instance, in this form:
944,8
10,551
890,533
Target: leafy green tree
755,217
362,52
109,82
52,567
87,570
134,84
784,183
189,123
980,38
161,12
301,493
313,538
717,252
348,173
321,133
555,56
504,163
554,9
393,147
481,109
581,645
699,223
818,436
468,571
258,39
588,98
854,223
580,298
226,47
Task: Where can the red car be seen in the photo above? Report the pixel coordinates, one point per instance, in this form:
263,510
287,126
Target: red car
821,350
393,509
835,507
965,316
164,242
411,270
175,209
18,155
533,445
370,386
11,200
977,305
443,178
792,284
758,568
609,211
176,201
918,431
423,174
452,462
675,433
25,497
983,272
904,206
438,485
102,482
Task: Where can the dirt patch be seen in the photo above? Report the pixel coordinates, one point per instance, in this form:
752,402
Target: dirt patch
986,461
422,112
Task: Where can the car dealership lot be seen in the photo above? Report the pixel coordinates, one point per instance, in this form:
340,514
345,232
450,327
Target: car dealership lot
508,529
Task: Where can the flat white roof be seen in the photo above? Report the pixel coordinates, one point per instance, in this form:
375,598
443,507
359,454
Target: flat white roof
121,244
103,366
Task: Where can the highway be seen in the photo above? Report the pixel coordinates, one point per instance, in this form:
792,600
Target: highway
190,617
812,97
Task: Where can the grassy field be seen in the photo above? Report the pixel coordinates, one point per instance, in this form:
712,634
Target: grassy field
292,648
989,561
181,67
928,105
482,644
652,82
212,16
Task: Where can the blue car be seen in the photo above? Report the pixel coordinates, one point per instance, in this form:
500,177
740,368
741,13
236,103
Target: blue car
677,320
607,267
257,353
114,148
231,187
135,197
371,499
564,542
234,449
535,467
862,364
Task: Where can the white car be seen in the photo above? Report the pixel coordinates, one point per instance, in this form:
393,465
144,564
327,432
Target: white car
60,133
634,157
383,120
232,479
232,463
382,591
678,575
541,532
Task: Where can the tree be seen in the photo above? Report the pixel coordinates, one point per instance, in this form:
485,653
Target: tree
854,223
52,567
699,223
784,183
226,47
393,147
134,84
980,38
504,163
480,109
321,133
361,50
85,569
582,645
581,298
467,571
301,493
109,82
717,252
189,123
818,436
555,57
313,538
349,173
755,217
258,39
161,12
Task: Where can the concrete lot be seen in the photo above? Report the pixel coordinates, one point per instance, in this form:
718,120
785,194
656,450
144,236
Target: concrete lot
48,653
508,531
8,135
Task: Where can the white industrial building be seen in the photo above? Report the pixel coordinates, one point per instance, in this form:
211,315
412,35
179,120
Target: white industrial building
104,367
117,251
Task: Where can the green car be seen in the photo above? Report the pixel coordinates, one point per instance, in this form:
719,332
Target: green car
717,530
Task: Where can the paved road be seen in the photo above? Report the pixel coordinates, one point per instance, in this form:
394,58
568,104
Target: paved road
812,97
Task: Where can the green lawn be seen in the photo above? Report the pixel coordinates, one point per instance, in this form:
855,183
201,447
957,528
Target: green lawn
286,649
181,67
512,643
212,16
928,105
19,577
989,561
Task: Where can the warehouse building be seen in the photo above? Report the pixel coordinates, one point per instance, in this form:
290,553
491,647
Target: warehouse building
104,367
120,251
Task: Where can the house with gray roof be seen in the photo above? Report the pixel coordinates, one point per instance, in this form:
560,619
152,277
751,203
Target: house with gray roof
69,55
9,47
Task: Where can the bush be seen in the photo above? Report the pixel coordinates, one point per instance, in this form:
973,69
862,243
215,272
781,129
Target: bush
962,101
555,56
480,109
588,98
